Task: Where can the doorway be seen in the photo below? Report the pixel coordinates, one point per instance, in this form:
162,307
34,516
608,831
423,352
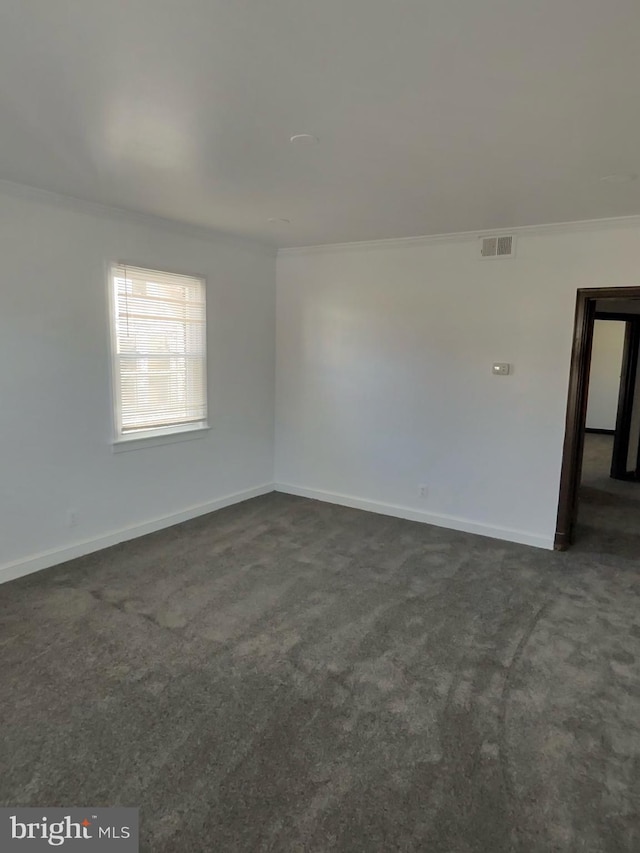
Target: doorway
622,304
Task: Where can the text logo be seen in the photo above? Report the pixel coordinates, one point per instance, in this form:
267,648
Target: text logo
113,830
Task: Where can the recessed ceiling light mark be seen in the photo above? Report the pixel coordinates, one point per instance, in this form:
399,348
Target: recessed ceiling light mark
619,179
304,139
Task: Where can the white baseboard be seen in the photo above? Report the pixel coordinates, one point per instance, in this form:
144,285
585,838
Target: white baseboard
450,521
45,559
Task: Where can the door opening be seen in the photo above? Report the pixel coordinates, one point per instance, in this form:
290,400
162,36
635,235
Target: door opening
589,304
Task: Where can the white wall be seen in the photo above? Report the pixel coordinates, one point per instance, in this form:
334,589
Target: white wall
604,378
383,359
384,373
55,415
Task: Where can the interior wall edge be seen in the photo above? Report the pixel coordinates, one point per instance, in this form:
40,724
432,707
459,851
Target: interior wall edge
183,228
47,559
611,222
450,522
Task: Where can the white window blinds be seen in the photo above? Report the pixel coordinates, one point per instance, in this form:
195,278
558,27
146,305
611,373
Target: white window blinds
159,350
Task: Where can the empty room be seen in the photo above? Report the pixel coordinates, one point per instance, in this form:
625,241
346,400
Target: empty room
319,480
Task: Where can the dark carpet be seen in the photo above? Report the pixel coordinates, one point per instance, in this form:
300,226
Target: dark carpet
287,675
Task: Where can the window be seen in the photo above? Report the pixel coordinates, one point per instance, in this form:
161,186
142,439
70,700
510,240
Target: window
159,352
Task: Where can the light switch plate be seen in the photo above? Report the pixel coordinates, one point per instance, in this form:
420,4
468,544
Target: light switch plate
501,368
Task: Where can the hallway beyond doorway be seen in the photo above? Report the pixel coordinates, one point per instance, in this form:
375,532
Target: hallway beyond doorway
609,510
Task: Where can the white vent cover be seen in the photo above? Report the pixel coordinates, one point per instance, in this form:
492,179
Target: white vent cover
500,246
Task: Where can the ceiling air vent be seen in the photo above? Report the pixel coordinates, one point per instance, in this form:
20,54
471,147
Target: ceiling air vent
502,246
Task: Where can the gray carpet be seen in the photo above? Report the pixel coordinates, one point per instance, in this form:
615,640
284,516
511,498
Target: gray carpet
609,513
596,466
286,675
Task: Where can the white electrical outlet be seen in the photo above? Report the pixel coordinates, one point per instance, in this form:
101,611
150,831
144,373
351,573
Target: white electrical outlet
72,517
423,491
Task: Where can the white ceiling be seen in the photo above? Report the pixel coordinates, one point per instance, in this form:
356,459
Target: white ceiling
433,116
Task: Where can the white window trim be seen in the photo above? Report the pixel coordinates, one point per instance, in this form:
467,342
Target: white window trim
158,437
122,442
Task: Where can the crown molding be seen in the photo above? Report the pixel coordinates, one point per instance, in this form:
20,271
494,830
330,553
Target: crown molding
465,236
202,232
185,229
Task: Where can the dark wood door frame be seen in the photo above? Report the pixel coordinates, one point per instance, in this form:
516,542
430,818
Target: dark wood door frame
620,455
577,404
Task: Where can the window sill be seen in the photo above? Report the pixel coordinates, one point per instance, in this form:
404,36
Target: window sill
139,442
